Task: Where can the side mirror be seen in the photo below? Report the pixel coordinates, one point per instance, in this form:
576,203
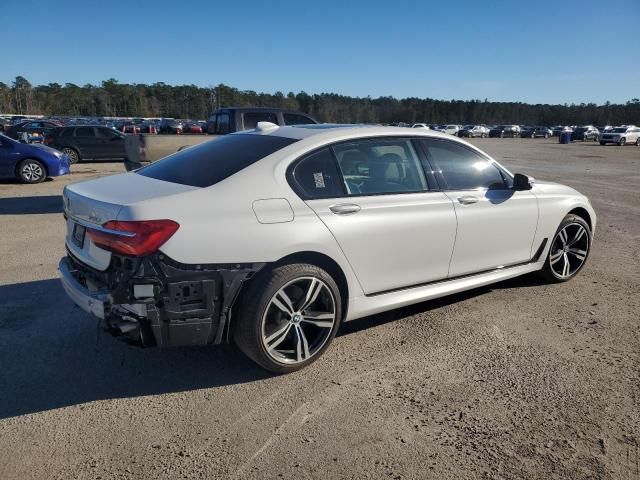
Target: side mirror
522,182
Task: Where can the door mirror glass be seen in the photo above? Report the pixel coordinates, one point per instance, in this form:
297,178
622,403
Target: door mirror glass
522,182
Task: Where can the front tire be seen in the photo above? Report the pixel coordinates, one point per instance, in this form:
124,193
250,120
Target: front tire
31,171
569,250
289,316
622,141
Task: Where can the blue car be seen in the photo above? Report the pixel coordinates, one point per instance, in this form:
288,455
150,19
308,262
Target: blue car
30,163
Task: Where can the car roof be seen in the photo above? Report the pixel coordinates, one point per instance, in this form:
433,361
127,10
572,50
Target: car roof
260,109
300,132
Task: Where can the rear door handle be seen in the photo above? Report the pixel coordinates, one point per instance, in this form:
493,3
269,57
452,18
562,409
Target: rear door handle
345,208
468,199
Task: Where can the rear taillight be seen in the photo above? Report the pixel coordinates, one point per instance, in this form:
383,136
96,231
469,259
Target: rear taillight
138,238
48,140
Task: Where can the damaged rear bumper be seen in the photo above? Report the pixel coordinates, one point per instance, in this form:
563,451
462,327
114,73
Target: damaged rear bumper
91,302
157,301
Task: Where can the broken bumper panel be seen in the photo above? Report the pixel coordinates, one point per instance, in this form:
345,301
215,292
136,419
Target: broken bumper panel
90,302
157,301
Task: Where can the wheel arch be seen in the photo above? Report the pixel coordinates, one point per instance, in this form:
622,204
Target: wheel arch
311,257
583,214
326,263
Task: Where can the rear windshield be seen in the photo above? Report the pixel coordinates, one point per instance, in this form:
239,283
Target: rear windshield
212,161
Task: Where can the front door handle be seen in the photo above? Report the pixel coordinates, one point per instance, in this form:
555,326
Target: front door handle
345,208
468,199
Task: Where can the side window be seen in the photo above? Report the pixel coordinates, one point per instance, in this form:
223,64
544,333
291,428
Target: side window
107,133
67,132
461,168
222,123
382,165
85,132
316,176
250,119
295,119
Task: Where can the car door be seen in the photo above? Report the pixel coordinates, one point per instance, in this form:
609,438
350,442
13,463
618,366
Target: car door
395,228
496,224
110,143
87,142
7,164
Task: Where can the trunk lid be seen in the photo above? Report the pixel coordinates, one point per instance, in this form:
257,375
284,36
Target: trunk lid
95,202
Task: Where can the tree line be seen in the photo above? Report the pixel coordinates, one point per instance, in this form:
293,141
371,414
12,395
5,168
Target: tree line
114,99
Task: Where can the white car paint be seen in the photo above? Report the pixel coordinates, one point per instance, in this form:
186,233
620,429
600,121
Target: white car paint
398,244
626,135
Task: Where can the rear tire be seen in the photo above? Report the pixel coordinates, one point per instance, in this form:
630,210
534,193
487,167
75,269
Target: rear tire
602,143
288,317
569,250
74,156
31,171
638,142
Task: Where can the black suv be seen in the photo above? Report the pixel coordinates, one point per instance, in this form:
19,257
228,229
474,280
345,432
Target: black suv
585,133
502,131
237,119
87,141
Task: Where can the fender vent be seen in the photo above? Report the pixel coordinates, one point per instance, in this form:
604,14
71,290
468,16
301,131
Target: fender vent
536,257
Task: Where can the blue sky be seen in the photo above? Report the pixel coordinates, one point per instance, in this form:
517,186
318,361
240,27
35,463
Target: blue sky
539,51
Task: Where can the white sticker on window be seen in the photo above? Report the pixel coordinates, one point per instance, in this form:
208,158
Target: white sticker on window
318,178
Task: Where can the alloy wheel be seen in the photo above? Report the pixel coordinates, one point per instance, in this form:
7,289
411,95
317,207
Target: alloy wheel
569,250
32,172
72,154
298,320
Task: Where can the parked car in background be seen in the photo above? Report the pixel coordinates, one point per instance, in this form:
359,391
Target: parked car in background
450,129
229,120
472,131
130,127
30,163
423,126
533,132
88,142
148,127
170,125
587,132
621,136
191,127
502,131
312,208
559,129
32,128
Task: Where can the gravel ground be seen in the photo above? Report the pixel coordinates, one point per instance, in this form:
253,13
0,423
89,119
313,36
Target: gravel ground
518,380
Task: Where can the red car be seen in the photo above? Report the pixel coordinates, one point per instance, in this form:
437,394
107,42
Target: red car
192,128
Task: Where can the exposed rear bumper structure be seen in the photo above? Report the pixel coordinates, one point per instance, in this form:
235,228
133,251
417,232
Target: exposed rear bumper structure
91,302
157,301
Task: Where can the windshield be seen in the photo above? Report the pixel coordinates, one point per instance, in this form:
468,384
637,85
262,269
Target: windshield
211,162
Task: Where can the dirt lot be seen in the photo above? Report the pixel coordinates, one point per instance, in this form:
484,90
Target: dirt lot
519,380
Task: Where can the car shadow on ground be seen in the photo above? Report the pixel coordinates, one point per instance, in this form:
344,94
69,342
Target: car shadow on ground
53,355
31,205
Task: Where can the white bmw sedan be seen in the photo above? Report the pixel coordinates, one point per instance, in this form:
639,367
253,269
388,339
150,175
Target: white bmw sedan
275,236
